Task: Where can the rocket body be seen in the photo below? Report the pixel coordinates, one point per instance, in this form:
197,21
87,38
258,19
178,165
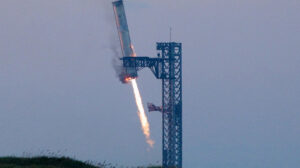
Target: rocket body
122,27
125,41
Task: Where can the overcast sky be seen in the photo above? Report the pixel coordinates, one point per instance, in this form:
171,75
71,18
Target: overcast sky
241,93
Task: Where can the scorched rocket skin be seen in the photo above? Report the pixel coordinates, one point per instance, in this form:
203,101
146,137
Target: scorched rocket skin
126,46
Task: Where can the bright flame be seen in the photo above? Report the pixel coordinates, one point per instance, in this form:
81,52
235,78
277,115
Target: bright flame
128,79
141,113
139,104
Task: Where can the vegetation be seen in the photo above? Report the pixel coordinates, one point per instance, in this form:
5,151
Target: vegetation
42,162
52,162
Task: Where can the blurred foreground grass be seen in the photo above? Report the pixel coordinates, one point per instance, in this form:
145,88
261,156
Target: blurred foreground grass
52,162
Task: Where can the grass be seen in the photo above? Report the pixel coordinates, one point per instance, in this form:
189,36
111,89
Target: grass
42,162
51,162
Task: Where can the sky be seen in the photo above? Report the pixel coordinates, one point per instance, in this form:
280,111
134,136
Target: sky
59,92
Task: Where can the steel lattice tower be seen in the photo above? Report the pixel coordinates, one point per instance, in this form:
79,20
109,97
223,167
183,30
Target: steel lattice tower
168,67
171,103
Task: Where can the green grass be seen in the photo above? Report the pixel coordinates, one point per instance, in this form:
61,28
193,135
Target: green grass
50,162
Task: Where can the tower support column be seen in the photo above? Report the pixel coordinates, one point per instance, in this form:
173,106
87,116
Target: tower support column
172,103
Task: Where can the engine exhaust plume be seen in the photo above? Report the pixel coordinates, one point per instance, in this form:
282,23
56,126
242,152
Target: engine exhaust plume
139,103
141,113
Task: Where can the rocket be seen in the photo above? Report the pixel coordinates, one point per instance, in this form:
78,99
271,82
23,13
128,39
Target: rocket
125,41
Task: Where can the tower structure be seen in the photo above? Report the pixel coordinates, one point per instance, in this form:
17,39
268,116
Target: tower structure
171,103
167,67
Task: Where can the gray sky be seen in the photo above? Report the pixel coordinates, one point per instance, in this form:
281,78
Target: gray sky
58,90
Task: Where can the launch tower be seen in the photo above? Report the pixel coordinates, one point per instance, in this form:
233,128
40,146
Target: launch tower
167,67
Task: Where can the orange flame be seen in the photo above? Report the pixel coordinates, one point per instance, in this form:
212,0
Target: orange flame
128,79
141,113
